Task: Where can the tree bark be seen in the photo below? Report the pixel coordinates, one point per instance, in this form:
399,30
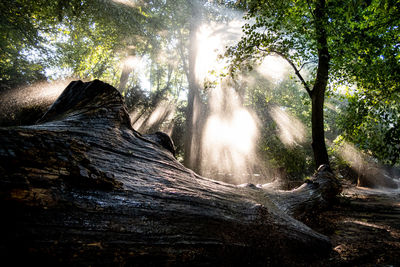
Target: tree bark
82,187
193,131
318,92
123,80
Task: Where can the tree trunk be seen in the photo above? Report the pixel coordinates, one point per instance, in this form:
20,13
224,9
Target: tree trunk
318,133
123,80
82,187
192,144
318,92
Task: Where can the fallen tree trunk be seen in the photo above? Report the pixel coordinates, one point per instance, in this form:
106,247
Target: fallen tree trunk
83,187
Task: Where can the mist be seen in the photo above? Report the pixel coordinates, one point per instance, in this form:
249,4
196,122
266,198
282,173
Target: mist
155,86
254,127
26,104
203,132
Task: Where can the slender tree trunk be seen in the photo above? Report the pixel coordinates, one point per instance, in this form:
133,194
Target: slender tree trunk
193,132
318,135
318,92
126,71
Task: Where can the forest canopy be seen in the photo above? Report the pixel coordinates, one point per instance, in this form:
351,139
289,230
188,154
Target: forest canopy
234,80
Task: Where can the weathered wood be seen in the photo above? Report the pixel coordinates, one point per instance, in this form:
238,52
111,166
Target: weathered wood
83,187
316,194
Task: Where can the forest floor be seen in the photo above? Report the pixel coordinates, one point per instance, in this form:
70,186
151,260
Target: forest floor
364,228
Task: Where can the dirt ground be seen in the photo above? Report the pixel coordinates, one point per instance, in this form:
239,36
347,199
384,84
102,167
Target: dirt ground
364,228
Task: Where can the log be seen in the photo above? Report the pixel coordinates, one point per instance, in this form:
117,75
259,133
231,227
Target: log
82,187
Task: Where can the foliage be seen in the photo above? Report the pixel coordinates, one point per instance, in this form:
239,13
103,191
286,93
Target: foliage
21,23
363,43
275,27
367,54
375,129
91,39
296,31
261,95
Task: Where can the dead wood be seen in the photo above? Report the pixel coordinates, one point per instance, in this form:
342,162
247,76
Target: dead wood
82,187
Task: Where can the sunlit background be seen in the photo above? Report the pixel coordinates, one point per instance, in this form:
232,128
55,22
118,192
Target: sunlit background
253,128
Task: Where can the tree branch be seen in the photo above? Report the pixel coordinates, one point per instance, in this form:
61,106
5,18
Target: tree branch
297,71
311,11
309,62
182,54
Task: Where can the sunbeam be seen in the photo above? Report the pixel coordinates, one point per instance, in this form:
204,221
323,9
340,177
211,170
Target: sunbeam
370,173
24,101
273,68
291,131
158,119
212,39
229,137
35,94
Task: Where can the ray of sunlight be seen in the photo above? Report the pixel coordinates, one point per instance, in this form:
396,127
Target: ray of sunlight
291,131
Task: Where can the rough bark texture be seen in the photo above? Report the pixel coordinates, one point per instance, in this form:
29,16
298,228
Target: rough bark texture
82,187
